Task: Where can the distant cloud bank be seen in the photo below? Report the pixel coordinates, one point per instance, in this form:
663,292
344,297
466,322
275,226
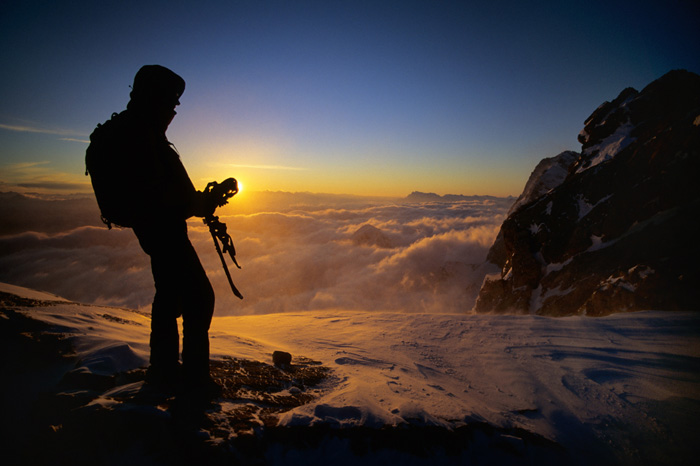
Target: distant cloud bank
312,252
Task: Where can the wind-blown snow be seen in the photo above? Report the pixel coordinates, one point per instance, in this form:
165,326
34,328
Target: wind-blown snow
29,294
623,389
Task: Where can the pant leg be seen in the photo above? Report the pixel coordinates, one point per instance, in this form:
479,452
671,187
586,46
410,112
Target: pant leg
166,308
182,288
197,312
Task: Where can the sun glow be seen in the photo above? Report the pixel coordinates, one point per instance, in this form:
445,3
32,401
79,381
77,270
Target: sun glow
241,195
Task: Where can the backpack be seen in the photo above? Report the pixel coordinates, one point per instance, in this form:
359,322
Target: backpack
105,163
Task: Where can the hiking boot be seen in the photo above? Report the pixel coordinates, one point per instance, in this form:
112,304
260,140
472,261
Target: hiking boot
166,379
203,388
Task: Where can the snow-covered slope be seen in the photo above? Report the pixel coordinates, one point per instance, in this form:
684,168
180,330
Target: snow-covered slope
399,388
547,175
616,233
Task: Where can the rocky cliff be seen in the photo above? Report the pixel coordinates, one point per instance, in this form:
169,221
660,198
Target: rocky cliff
617,232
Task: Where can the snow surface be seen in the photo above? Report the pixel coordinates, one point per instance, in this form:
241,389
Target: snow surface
585,208
547,175
30,294
610,146
622,389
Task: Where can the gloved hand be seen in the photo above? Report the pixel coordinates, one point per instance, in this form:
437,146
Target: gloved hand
216,195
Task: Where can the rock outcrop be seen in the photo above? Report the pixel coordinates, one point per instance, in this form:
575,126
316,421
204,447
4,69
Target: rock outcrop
618,232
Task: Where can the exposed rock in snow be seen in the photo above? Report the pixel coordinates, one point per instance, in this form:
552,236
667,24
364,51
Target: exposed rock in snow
627,204
606,131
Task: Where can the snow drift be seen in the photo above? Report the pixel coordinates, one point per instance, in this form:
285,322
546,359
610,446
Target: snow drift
407,388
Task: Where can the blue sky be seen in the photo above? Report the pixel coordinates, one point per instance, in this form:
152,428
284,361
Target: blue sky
377,98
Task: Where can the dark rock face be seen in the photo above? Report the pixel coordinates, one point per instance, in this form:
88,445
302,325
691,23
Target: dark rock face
619,232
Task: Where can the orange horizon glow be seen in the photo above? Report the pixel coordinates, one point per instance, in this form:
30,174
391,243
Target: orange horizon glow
367,98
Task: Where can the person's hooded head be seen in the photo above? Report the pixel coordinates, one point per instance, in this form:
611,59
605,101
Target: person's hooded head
155,93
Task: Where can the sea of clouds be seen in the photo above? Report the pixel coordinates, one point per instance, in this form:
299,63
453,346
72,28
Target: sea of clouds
298,252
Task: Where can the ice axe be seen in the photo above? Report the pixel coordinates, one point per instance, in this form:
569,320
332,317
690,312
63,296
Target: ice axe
219,194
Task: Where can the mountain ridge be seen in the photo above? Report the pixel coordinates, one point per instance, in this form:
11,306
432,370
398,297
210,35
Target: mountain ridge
616,234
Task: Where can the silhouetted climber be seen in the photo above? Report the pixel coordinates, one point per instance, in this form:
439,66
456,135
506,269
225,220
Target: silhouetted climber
140,182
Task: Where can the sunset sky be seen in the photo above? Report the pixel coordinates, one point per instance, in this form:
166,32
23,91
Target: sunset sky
355,97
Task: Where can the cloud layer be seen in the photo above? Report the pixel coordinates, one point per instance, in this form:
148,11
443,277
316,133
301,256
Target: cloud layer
304,256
